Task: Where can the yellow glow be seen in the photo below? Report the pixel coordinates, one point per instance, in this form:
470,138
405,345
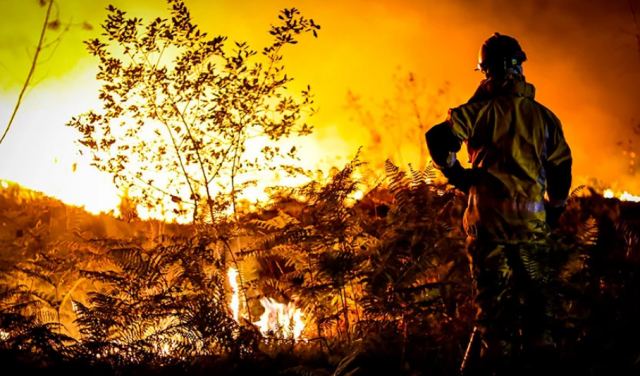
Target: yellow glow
357,195
280,320
167,344
622,196
608,193
363,47
232,274
626,196
39,152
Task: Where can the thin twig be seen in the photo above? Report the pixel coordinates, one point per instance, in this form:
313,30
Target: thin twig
34,62
194,143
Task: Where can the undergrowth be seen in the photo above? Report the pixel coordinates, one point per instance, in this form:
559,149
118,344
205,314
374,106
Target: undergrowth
383,281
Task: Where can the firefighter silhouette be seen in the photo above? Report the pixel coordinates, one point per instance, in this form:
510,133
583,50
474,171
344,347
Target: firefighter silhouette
518,153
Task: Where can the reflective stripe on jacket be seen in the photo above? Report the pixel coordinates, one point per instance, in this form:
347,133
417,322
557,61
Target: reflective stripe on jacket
517,151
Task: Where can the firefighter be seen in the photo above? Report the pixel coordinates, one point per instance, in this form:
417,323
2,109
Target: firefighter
517,153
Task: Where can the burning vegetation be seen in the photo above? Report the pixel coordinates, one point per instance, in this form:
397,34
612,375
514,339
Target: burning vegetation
313,284
345,274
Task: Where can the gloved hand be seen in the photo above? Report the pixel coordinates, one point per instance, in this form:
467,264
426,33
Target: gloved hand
460,177
553,214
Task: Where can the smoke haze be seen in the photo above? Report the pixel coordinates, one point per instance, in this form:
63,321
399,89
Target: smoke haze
583,58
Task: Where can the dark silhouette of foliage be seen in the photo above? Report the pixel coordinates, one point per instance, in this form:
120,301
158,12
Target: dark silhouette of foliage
27,333
160,305
383,281
363,269
179,108
380,272
314,255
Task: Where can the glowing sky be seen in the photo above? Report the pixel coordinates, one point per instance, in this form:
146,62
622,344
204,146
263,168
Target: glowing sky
583,59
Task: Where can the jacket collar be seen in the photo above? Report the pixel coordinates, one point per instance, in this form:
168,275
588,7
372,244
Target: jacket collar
514,86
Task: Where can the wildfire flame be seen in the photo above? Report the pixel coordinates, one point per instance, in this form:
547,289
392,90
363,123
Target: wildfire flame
232,274
622,196
278,320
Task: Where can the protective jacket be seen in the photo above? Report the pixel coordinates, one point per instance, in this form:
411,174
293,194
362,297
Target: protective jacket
517,151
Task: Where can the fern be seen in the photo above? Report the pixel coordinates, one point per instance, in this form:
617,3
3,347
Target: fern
577,191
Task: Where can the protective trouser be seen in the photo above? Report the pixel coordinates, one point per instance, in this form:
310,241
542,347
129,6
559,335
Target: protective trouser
515,305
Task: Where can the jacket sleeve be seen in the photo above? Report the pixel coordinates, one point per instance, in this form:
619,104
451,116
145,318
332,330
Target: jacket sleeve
444,140
558,164
443,145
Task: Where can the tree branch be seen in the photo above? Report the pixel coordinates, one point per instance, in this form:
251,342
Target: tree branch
34,62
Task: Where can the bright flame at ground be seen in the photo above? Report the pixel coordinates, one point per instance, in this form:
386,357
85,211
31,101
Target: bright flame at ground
232,274
624,196
280,320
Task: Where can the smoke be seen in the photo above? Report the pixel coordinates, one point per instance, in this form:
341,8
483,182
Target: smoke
585,63
583,60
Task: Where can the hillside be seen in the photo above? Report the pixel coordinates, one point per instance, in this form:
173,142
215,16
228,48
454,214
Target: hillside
148,297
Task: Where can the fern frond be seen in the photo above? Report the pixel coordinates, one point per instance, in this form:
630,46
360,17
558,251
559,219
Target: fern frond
577,191
588,232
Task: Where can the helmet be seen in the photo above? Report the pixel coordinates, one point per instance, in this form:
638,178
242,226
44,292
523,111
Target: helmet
500,53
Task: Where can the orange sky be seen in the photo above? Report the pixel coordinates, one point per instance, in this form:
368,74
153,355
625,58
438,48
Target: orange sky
583,59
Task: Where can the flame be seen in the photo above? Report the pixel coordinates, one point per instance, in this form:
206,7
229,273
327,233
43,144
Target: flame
232,274
53,167
358,195
48,155
622,196
280,320
165,349
626,196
